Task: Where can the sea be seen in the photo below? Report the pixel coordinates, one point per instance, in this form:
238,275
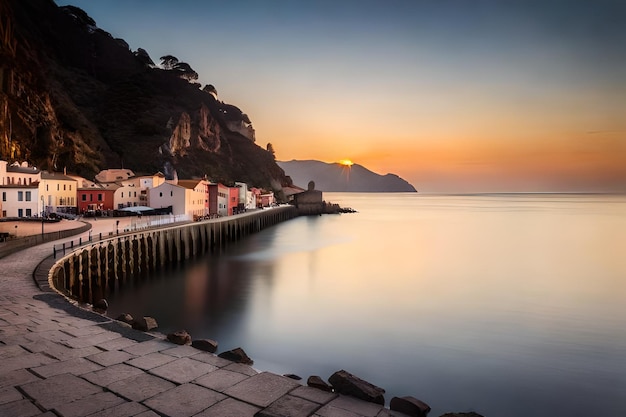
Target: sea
508,305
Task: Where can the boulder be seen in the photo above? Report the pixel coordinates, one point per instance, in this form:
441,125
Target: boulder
180,337
470,414
315,381
410,406
125,318
145,324
237,355
101,306
344,382
206,345
293,376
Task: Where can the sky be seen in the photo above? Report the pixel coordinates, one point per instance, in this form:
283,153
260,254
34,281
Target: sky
451,95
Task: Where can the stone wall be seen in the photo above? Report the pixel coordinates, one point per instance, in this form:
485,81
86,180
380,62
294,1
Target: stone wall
91,272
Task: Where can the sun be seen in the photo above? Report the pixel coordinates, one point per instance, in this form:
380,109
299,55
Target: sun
346,162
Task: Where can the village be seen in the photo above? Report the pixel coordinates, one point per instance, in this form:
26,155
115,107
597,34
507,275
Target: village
28,192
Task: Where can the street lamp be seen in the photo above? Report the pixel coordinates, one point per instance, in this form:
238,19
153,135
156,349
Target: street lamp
42,212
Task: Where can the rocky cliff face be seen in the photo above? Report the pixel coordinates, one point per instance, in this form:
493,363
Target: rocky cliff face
73,96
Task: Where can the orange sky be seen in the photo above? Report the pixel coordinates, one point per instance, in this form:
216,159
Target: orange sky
473,96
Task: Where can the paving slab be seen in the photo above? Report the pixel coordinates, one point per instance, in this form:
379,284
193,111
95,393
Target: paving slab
362,408
89,405
110,357
10,394
183,370
76,366
17,378
230,407
59,389
184,400
220,379
241,368
289,406
93,340
212,359
24,361
180,351
151,360
141,387
58,350
314,394
150,346
262,389
22,408
127,409
111,374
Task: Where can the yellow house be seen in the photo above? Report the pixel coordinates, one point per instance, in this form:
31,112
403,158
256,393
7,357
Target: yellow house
58,192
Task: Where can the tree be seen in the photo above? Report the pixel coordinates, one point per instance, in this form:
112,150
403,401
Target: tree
270,149
185,71
168,62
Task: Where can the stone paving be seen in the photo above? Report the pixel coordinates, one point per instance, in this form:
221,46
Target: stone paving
57,359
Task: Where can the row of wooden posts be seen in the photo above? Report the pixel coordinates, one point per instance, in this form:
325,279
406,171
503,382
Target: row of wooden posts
91,272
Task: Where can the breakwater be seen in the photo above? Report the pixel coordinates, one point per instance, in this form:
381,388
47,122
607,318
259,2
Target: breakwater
91,272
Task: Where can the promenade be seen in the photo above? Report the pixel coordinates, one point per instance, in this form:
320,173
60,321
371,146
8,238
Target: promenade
57,359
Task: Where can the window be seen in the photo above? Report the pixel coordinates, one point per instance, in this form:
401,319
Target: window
4,197
58,187
63,187
160,194
90,197
171,193
29,213
99,197
122,194
83,197
28,196
46,187
70,187
20,213
20,196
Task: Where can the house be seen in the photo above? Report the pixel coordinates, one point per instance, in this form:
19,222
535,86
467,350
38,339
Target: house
112,175
233,200
21,200
59,192
309,201
196,197
266,199
247,199
93,196
218,199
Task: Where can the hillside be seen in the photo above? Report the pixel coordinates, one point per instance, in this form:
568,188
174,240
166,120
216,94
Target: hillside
74,97
336,177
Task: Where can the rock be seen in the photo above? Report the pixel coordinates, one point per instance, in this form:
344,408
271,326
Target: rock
145,324
410,406
345,383
206,345
470,414
315,381
101,306
293,376
236,355
125,318
180,337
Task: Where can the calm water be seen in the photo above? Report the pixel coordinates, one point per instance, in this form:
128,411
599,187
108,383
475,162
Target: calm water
507,305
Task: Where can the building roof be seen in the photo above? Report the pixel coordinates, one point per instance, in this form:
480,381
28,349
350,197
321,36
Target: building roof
191,184
45,175
22,170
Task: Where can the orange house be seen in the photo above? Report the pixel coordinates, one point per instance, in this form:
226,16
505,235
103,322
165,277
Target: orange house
233,200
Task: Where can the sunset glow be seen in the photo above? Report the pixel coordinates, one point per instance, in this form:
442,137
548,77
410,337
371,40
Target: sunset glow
450,96
346,162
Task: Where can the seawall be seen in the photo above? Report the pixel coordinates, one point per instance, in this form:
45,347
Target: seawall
91,272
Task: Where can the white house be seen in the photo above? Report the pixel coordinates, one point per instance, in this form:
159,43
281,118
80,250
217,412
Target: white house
58,191
196,197
166,195
20,200
246,196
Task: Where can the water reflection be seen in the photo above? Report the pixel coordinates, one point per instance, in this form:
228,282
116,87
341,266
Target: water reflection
508,305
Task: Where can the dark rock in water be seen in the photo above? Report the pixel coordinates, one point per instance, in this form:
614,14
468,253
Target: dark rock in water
180,337
410,406
317,382
125,318
293,376
206,345
345,383
470,414
145,324
237,355
101,306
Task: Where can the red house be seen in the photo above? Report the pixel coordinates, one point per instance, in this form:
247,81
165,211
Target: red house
233,200
96,197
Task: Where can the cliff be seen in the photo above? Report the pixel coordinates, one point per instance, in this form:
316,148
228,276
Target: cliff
72,96
342,178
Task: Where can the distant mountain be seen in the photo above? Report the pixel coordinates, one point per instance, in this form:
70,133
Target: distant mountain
343,178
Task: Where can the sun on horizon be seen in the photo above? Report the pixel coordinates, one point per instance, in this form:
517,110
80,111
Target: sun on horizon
346,162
